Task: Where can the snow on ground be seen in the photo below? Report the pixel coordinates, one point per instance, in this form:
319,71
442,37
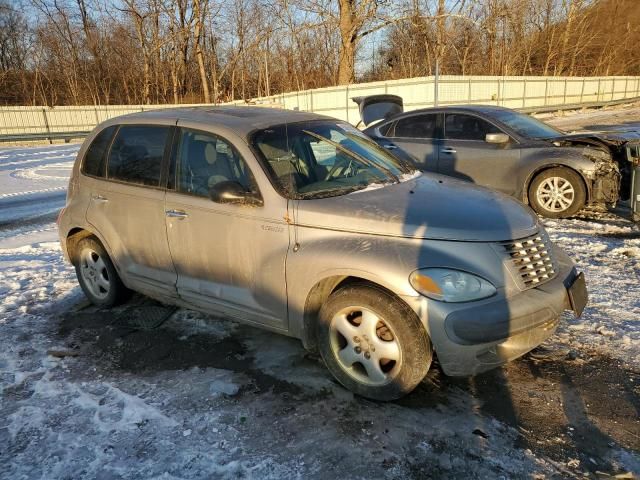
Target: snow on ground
608,251
33,182
200,397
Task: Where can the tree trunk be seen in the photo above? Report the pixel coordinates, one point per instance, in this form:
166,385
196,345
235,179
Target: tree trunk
348,40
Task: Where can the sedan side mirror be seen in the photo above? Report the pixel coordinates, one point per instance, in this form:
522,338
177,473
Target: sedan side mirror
496,138
229,192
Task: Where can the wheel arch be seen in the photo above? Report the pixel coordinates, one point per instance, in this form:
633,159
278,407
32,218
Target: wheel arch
548,166
76,234
318,295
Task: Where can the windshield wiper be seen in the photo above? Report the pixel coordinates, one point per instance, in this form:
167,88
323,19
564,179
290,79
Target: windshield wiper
350,153
328,192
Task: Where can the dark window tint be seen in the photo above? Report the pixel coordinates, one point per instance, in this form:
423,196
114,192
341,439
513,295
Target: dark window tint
387,130
467,127
136,154
417,126
204,160
94,159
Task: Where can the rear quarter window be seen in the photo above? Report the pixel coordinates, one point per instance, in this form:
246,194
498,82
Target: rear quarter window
136,154
93,163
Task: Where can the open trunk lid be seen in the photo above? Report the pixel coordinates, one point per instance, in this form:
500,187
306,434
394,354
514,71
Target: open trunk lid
374,108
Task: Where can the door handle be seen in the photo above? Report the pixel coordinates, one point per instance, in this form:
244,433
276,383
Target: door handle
176,214
448,150
390,146
99,198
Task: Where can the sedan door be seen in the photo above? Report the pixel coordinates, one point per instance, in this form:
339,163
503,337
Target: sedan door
229,257
467,155
127,208
418,135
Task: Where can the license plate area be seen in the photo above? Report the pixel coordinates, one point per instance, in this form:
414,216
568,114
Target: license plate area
578,295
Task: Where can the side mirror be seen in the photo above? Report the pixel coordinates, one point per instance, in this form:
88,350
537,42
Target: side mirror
229,192
496,138
633,152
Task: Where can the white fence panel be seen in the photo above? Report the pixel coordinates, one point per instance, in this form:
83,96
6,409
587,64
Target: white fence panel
512,92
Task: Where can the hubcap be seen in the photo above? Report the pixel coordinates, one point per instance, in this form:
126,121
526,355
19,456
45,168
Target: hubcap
555,194
94,273
365,346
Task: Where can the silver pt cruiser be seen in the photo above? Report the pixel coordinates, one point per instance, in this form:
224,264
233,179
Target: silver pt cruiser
299,223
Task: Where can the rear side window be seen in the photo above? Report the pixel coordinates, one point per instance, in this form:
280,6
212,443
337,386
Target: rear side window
136,154
93,163
417,126
467,127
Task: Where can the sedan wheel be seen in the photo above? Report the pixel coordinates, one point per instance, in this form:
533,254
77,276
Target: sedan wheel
372,342
558,192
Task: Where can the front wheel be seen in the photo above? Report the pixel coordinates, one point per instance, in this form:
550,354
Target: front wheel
372,342
557,193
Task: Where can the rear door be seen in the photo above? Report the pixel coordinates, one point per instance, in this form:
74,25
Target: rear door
465,154
419,136
127,208
229,258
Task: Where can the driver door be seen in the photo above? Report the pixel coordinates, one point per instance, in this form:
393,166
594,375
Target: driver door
229,257
465,154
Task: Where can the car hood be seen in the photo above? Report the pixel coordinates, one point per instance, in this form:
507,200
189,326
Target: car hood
428,207
620,136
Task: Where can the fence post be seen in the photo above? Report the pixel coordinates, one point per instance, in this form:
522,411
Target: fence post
564,98
626,83
311,100
524,93
546,91
346,105
598,96
469,89
582,89
46,123
613,88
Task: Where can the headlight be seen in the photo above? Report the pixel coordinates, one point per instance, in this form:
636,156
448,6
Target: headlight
449,285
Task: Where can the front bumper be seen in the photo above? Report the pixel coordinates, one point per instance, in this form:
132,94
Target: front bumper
473,337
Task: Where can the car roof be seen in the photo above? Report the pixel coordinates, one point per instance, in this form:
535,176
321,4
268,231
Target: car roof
241,119
487,109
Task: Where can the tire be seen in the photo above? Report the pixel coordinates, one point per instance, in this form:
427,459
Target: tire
97,275
557,193
344,336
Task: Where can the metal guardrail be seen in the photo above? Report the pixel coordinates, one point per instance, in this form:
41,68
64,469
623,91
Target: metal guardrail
50,137
68,136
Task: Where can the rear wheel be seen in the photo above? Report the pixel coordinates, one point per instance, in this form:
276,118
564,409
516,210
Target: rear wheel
97,275
372,342
557,193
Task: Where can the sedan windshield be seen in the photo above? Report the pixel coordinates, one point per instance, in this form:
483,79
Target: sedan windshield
321,159
526,125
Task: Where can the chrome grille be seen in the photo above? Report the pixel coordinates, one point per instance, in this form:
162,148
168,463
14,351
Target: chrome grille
531,260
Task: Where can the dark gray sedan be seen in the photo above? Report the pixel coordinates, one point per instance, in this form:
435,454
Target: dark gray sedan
555,173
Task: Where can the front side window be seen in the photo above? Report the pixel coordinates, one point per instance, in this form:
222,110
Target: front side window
417,126
204,160
93,163
319,159
136,154
459,126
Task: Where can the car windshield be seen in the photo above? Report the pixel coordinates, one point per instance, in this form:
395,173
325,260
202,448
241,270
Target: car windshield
322,159
526,125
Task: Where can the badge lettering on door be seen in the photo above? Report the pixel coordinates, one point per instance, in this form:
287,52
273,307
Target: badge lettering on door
272,228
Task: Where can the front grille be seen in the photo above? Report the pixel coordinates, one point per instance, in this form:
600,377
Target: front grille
531,259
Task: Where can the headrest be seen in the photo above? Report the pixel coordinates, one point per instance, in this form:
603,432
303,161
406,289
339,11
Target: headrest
210,153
